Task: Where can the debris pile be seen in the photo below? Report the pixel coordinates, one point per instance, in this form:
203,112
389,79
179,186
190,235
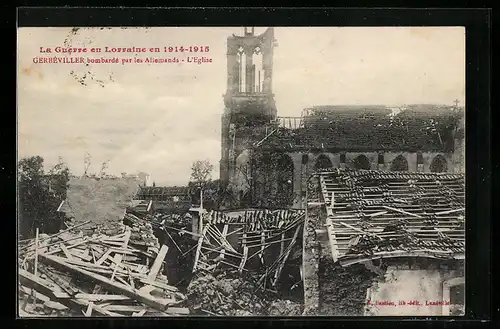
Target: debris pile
142,231
270,237
98,275
227,295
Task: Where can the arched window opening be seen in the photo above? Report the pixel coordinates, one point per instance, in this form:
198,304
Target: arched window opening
399,164
361,162
257,70
279,182
439,164
242,72
323,162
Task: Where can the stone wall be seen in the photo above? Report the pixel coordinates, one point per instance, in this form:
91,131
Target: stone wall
245,175
399,286
405,290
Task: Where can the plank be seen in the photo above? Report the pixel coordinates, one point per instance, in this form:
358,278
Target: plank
402,211
140,313
111,285
224,234
126,308
50,291
177,310
119,257
245,254
198,249
104,257
66,252
101,297
159,284
262,243
88,312
153,273
287,254
56,235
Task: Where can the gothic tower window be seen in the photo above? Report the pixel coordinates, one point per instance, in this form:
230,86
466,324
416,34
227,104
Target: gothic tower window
242,70
257,70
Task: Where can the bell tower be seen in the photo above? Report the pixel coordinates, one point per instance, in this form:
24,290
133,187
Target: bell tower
249,100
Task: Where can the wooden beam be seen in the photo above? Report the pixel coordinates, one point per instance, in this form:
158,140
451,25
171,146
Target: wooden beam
198,249
450,211
287,254
402,211
48,290
36,252
357,229
262,243
66,251
153,273
331,236
55,235
100,298
224,234
119,257
125,308
113,286
177,310
282,243
245,254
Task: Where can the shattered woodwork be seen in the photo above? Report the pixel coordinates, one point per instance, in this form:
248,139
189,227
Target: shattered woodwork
373,214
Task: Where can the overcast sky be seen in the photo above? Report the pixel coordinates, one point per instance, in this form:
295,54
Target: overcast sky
159,118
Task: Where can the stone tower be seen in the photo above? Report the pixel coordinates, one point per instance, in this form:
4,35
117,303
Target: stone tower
249,101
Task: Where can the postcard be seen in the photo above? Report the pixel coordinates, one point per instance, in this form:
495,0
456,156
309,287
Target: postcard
241,171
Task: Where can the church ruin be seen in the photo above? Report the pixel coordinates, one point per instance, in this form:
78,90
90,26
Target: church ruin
266,159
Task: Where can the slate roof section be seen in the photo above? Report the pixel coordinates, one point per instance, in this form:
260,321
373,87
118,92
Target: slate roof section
163,193
423,128
257,219
377,214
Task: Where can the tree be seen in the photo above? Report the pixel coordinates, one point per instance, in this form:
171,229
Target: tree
40,194
87,161
104,166
201,177
201,173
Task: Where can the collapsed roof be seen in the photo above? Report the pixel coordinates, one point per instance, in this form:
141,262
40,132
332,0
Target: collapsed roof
163,193
415,128
376,214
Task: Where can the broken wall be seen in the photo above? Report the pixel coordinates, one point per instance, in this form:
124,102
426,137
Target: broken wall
409,291
361,289
102,201
343,289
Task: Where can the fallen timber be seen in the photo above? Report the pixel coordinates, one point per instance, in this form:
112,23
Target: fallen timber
256,231
95,276
230,241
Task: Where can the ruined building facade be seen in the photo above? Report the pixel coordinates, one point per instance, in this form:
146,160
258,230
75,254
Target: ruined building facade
266,160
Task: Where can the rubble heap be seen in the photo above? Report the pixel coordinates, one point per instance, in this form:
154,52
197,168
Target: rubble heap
224,294
142,231
99,275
